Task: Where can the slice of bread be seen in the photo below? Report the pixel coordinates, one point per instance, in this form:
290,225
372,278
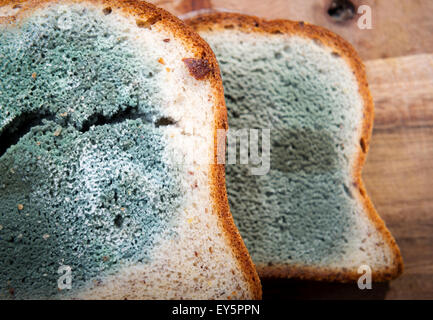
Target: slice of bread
309,217
108,189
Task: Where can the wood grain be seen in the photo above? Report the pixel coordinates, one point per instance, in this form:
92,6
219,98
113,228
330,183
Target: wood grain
399,169
400,27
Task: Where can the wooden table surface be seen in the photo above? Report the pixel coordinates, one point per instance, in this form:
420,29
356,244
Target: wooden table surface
399,169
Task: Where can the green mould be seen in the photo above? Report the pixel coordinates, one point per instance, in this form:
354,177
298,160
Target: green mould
299,210
83,177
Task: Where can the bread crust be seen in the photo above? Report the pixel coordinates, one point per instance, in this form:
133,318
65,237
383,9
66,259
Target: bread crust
201,50
250,24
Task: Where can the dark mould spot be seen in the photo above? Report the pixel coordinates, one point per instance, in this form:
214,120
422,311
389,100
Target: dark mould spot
141,23
335,54
311,152
341,10
318,42
363,145
166,40
149,22
198,68
347,191
118,221
107,11
301,23
164,121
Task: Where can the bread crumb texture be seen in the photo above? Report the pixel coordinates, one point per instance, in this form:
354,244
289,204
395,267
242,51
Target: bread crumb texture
97,140
306,218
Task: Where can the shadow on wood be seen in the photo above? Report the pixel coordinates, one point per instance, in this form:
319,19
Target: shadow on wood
314,290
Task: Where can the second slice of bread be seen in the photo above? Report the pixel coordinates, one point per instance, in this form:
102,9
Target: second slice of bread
309,217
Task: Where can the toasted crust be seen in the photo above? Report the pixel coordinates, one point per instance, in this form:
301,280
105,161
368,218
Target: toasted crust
191,40
250,24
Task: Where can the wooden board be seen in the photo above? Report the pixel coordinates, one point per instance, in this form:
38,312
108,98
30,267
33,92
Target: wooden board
399,169
400,27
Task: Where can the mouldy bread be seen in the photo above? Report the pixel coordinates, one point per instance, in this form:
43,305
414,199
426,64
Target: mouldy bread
108,113
310,216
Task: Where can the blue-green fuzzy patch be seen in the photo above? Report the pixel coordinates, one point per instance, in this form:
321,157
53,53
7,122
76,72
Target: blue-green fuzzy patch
90,201
86,183
301,211
82,67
